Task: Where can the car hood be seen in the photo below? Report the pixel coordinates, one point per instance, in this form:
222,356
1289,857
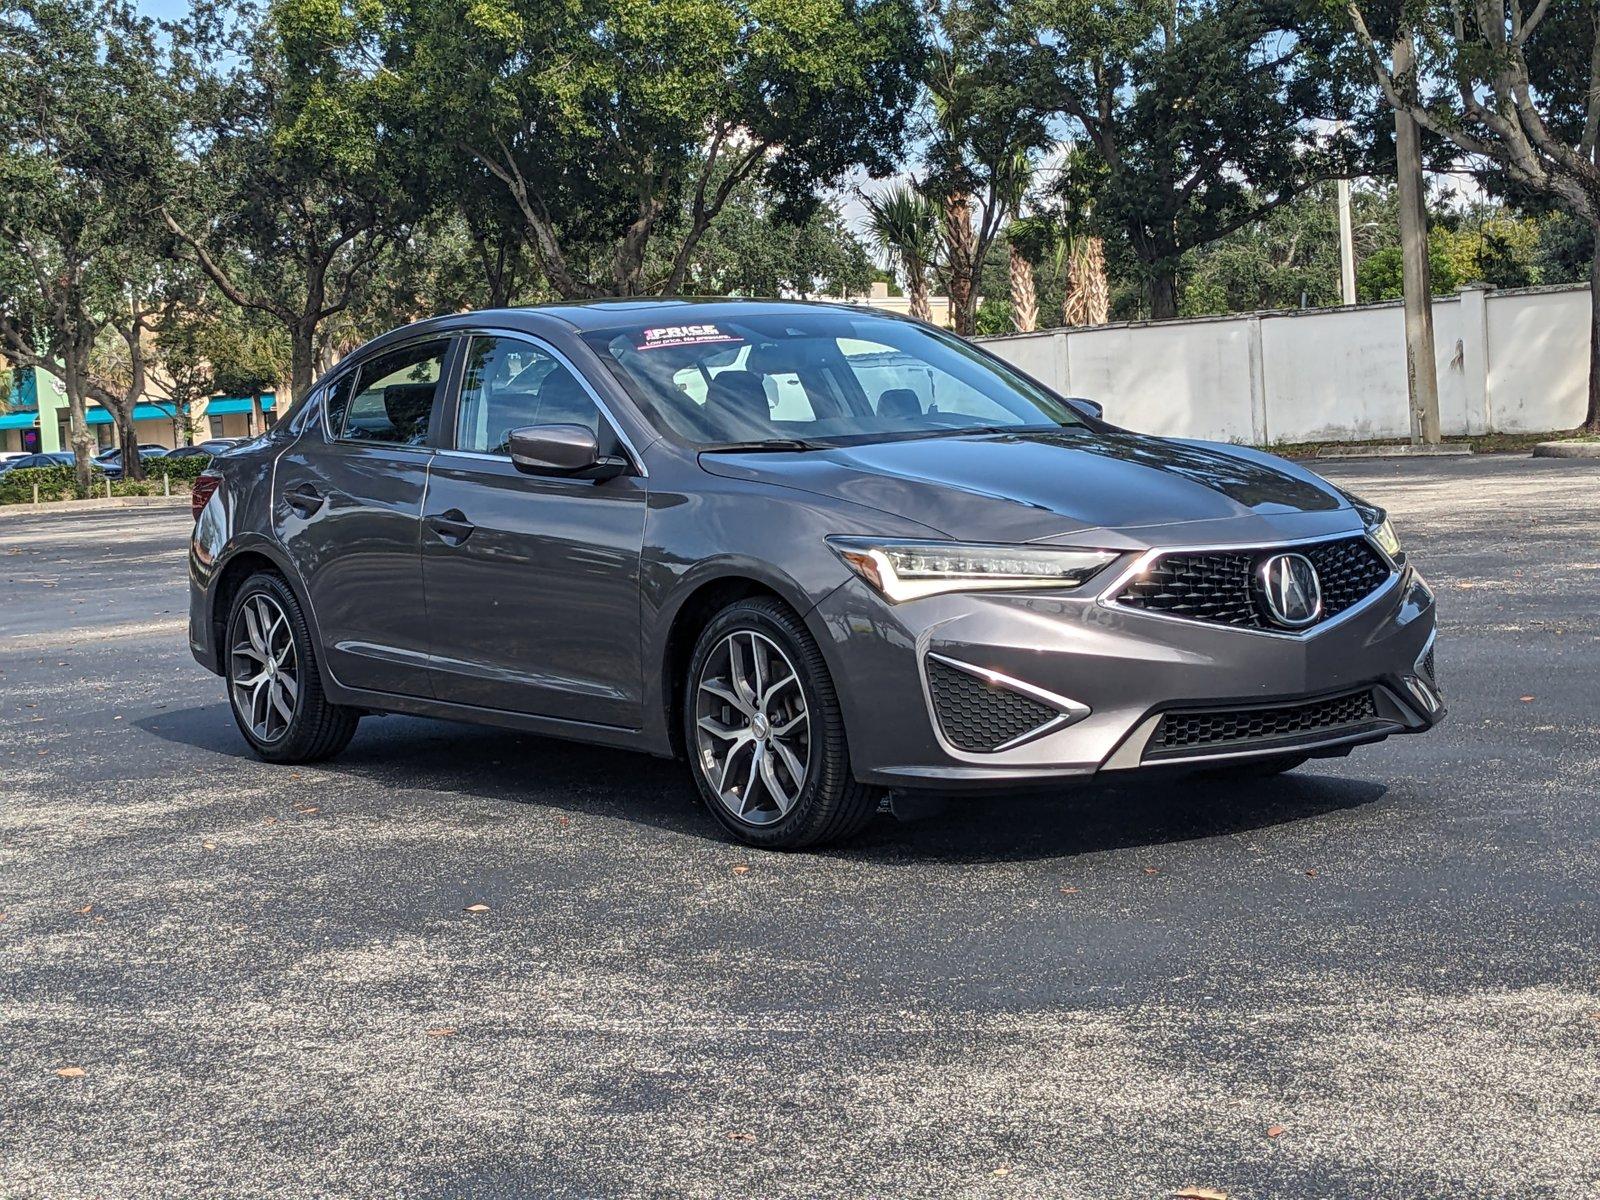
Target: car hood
1029,486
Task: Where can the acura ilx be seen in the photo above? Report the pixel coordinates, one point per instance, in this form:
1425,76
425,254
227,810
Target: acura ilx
819,552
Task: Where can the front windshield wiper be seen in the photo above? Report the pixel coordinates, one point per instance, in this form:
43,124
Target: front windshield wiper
770,445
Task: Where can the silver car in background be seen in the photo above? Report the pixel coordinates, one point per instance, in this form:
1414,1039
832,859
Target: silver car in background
817,551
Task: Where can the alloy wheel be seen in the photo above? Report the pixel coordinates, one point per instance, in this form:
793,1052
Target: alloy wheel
753,728
263,670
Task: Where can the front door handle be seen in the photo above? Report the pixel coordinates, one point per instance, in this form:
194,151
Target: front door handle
303,498
452,526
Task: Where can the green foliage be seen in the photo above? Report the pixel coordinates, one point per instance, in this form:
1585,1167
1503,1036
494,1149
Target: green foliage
60,483
1499,250
600,121
993,316
903,225
54,483
87,123
1201,116
755,250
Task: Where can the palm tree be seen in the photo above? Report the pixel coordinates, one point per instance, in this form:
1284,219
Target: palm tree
1030,241
903,224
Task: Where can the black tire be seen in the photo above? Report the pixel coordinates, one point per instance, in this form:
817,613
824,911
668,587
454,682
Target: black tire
315,729
830,806
1261,768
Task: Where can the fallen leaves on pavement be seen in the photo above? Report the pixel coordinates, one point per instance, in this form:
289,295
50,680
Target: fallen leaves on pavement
69,1072
476,908
1275,1131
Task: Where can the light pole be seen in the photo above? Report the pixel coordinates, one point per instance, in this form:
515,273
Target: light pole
1347,247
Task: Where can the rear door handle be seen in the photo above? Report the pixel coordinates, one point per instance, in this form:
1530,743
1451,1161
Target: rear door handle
452,526
303,498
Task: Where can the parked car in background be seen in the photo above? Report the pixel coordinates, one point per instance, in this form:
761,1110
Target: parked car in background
819,552
23,462
110,461
211,447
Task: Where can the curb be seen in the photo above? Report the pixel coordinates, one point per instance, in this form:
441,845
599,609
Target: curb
116,502
1567,450
1399,450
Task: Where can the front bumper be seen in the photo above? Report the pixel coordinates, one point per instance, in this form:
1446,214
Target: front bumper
1111,675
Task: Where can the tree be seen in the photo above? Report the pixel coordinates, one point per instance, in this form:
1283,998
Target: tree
756,248
903,225
85,120
612,124
285,203
1515,88
1200,114
984,127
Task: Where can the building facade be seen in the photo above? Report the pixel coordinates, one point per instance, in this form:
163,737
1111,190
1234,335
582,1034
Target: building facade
34,418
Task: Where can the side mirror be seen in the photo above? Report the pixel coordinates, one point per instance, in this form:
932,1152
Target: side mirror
1089,408
569,451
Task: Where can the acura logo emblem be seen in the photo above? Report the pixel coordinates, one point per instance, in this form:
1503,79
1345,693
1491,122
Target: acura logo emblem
1290,590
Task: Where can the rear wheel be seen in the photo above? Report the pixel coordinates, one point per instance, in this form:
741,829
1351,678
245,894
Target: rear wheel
274,686
765,734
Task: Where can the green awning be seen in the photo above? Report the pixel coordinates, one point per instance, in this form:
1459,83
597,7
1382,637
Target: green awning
141,412
28,419
235,404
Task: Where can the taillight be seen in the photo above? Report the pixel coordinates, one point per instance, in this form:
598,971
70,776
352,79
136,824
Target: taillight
205,485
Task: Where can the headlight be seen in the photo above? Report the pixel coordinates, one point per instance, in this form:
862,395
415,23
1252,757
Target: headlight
1377,524
902,570
1388,541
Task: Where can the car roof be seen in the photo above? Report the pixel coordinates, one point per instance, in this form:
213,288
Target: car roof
584,316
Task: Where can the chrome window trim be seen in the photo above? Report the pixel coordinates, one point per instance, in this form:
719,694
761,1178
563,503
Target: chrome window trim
1069,711
1108,597
466,333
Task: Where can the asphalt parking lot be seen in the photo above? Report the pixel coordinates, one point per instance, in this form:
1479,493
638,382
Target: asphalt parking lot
1377,977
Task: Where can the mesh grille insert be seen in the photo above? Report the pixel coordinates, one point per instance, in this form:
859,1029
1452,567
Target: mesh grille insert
1219,586
978,716
1190,732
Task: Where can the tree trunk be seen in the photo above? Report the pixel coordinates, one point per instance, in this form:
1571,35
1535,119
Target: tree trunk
302,360
917,289
1024,299
1087,300
1422,372
1163,293
959,252
1591,424
78,423
128,443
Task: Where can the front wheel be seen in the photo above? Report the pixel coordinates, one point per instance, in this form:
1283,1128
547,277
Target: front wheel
765,734
273,682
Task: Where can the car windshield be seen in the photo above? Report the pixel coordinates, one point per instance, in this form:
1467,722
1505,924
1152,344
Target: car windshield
791,380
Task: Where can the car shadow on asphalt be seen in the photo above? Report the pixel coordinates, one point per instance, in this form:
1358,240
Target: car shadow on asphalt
577,779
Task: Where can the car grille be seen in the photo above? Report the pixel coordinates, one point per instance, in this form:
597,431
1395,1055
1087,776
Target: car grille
979,716
1427,667
1219,587
1195,732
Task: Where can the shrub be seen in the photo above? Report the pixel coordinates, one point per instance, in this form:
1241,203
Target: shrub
55,483
59,483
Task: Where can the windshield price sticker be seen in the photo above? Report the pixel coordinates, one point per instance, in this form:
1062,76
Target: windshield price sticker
685,335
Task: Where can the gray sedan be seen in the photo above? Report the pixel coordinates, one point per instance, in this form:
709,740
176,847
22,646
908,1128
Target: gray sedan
817,551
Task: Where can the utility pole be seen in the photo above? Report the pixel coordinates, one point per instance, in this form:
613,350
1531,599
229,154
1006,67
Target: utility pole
1422,377
1347,247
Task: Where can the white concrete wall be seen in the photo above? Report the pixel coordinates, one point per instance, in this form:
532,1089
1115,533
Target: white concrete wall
1507,361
